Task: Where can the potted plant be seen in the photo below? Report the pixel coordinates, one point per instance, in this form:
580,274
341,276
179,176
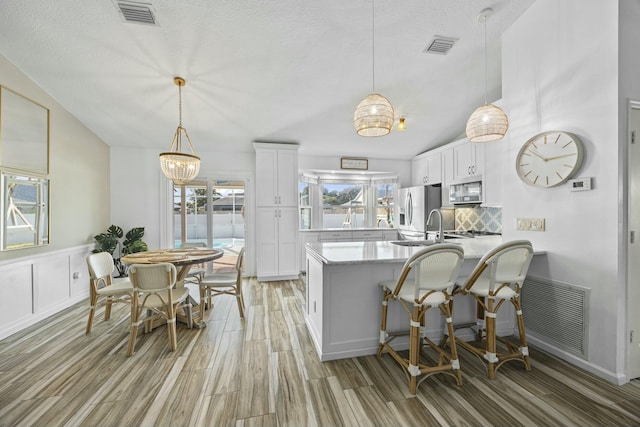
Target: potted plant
109,241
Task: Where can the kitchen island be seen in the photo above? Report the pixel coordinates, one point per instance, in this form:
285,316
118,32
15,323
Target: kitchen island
343,298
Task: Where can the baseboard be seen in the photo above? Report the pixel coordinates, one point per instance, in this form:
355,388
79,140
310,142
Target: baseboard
596,370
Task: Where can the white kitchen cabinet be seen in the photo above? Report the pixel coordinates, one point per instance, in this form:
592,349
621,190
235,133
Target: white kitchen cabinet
447,175
335,236
277,174
366,235
467,160
277,246
426,169
277,243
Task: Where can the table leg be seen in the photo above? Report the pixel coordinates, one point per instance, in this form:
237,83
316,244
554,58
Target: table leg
181,315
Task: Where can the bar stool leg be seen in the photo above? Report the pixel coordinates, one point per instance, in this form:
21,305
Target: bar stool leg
521,333
383,324
490,323
480,323
414,349
455,362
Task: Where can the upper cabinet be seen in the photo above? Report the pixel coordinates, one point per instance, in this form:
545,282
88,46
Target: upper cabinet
467,159
447,175
461,161
277,167
426,169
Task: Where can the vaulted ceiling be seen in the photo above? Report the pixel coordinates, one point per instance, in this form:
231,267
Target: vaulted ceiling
281,70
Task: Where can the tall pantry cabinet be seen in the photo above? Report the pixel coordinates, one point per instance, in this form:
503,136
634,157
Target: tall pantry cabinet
276,211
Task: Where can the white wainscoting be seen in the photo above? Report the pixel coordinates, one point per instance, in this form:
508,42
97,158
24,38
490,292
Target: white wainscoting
33,288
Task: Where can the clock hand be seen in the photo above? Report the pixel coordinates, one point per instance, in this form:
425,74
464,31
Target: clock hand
537,154
558,157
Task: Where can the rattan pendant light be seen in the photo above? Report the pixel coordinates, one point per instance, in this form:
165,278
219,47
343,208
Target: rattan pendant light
488,122
178,166
374,115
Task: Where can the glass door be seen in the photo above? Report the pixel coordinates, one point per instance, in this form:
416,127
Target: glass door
227,200
221,226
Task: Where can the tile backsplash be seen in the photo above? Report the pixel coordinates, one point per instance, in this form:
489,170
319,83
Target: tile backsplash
479,219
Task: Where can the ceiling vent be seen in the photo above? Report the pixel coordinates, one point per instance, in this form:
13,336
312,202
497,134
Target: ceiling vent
440,45
137,12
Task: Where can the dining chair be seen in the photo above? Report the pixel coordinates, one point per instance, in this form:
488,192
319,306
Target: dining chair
434,270
499,277
101,284
154,294
197,271
215,284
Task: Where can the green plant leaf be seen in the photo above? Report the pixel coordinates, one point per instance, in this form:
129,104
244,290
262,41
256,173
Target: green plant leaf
116,231
137,246
106,243
135,233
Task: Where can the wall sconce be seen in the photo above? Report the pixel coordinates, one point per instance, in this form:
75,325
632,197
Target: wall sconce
401,124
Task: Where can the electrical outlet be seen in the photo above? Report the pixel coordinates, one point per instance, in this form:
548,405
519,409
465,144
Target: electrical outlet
530,224
537,224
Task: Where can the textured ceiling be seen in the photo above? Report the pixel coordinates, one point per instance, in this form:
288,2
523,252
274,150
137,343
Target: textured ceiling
285,70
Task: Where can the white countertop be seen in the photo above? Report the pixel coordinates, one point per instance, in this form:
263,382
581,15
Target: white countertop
382,252
316,230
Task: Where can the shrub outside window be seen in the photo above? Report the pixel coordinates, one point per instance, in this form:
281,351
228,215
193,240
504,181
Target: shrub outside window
343,205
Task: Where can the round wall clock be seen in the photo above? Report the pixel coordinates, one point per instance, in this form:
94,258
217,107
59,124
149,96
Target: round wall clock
549,159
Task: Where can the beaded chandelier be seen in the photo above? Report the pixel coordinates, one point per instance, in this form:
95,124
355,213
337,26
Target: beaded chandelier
178,166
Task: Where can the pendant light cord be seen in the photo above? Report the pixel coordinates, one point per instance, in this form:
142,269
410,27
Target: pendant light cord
485,60
373,46
180,106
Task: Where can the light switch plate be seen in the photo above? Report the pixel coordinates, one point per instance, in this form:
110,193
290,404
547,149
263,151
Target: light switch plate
530,224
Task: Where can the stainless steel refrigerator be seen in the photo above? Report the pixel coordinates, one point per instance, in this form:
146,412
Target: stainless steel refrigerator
415,204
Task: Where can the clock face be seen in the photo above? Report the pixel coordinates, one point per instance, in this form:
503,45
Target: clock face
549,159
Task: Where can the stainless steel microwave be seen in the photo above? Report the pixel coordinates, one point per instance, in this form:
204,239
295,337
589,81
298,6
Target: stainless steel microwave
465,193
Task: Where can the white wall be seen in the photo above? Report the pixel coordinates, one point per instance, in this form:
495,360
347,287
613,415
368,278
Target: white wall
560,72
78,170
38,282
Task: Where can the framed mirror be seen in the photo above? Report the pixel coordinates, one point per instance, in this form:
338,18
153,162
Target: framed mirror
25,211
24,133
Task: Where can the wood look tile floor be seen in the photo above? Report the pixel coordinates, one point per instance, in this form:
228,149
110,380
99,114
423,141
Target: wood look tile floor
263,371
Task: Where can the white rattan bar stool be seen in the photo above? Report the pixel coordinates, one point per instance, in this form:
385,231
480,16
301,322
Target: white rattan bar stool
434,270
498,277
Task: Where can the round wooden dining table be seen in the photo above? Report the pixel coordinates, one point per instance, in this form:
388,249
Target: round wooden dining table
183,259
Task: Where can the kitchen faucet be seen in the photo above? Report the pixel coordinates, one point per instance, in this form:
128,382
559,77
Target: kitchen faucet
440,238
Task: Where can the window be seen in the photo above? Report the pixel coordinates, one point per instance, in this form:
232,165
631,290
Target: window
385,205
222,226
25,219
343,206
228,213
304,201
330,200
190,222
